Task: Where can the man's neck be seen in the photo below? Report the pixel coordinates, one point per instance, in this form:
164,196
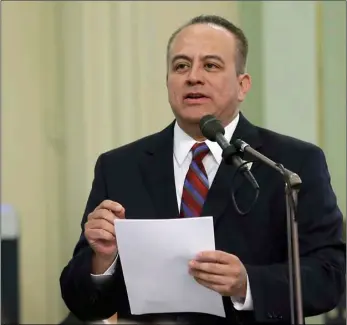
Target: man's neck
193,129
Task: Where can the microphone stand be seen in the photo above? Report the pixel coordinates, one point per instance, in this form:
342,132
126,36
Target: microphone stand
292,187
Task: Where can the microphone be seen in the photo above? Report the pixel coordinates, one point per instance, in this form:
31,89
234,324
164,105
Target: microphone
213,130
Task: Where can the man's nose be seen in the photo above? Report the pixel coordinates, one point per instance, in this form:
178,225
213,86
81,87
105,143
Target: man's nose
195,76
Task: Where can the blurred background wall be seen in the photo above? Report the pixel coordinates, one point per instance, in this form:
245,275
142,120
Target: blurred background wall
79,78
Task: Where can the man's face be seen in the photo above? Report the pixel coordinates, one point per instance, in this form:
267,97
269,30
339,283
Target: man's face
202,75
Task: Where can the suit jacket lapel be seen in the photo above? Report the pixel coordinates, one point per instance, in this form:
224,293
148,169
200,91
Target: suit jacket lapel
219,195
158,173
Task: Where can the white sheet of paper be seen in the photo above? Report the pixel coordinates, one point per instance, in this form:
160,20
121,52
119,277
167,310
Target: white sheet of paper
155,255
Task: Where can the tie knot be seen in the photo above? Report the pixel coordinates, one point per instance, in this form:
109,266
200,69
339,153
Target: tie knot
200,150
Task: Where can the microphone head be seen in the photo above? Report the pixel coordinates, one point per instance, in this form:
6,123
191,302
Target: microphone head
210,126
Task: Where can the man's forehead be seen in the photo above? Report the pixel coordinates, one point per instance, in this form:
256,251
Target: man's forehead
207,38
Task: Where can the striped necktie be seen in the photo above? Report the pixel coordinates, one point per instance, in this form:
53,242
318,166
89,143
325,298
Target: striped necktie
196,185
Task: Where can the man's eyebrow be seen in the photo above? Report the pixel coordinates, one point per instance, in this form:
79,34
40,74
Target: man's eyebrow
187,58
180,57
213,57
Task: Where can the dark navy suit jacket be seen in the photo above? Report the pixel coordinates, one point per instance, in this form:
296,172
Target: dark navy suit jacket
140,176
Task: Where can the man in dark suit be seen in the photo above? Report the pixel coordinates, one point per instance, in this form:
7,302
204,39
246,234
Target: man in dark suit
178,173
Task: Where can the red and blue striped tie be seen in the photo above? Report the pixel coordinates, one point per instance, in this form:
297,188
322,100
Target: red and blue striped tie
195,186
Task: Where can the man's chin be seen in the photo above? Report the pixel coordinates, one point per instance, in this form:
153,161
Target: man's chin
196,116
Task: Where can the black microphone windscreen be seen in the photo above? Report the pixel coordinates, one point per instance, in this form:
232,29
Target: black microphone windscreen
210,126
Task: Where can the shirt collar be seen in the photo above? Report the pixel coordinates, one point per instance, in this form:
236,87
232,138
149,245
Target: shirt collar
183,142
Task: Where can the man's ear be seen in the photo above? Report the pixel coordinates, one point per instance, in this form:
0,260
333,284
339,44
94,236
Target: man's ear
245,83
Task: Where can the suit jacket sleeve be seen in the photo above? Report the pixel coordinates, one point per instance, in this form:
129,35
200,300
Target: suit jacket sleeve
322,252
85,298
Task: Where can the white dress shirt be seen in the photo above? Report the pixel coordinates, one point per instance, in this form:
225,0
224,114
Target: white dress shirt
182,158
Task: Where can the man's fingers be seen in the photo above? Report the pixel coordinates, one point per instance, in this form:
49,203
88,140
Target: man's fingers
208,277
100,234
101,224
212,268
121,214
216,257
102,214
115,207
220,288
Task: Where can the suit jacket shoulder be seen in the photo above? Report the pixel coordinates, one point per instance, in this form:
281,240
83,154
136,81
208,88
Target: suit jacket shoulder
292,152
284,143
134,150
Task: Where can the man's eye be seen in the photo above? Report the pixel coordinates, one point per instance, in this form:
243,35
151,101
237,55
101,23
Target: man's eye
181,66
211,66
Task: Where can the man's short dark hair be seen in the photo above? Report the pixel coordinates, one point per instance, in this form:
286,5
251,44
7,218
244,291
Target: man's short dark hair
241,40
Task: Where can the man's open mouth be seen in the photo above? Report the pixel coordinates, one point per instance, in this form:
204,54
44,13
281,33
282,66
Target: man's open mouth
195,96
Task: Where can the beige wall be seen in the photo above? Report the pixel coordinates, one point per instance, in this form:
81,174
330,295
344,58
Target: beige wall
30,151
78,78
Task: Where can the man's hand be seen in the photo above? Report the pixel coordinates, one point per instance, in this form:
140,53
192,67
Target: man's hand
221,272
100,233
